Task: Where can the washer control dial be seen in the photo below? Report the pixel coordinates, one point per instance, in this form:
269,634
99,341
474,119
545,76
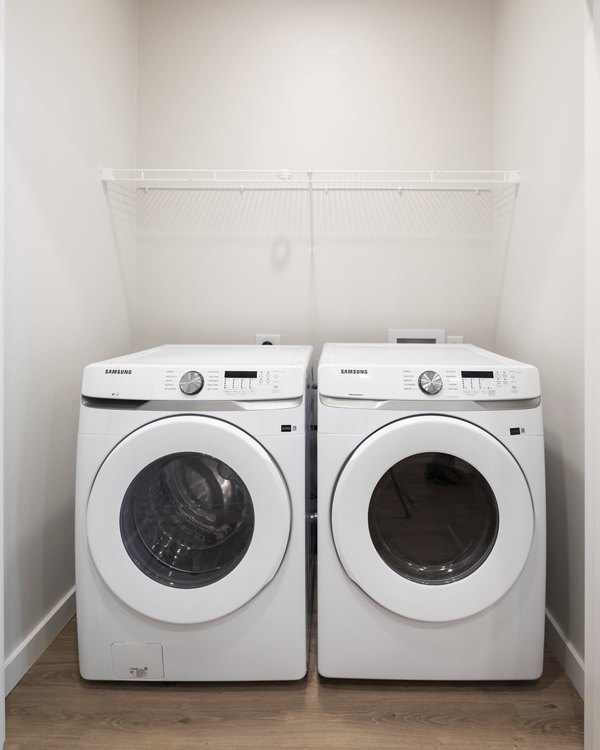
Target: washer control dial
191,383
430,382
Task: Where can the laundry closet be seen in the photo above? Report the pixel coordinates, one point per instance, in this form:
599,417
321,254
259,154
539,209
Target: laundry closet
355,167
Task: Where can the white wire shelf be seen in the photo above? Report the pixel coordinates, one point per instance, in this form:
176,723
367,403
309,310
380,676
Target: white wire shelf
319,181
313,183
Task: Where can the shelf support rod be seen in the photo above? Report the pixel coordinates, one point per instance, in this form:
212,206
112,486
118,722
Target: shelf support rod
311,215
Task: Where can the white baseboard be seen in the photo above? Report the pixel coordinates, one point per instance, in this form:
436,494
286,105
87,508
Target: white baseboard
38,640
566,653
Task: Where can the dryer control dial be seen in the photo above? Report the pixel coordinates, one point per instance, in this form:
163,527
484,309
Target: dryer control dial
430,382
191,383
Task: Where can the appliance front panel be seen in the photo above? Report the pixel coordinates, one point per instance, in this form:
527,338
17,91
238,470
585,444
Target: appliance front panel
423,372
201,373
188,519
193,381
433,518
439,383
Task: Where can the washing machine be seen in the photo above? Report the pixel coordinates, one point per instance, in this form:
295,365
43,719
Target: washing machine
191,514
431,503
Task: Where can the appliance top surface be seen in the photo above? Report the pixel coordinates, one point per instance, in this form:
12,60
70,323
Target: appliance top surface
414,355
215,354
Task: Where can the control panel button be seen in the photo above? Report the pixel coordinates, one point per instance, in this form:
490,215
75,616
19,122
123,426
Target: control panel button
191,383
430,382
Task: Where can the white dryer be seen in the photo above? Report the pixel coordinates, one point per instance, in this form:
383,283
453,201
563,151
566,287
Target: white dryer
191,515
431,504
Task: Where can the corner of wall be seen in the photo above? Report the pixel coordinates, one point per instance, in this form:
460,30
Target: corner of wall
37,641
566,653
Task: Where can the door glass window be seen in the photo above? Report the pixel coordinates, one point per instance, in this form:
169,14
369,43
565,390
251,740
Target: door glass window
187,520
433,518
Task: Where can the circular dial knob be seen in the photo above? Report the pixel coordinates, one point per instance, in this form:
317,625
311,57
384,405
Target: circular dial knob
430,382
191,383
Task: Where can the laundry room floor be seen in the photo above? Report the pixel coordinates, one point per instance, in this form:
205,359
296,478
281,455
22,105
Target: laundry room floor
52,708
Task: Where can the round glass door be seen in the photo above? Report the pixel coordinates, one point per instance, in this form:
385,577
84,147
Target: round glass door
432,518
188,519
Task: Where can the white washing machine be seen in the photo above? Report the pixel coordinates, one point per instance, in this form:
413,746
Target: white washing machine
431,503
191,515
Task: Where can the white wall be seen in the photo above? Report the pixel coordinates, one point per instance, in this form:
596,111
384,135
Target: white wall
316,84
2,712
592,352
70,108
539,126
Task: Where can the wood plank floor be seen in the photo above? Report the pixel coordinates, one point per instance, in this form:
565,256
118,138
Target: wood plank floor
52,708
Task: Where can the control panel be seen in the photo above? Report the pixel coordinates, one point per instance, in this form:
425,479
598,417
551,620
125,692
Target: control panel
468,384
490,382
190,373
218,383
423,372
423,384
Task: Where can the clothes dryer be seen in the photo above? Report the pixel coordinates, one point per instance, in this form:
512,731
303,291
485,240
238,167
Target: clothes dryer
431,514
191,515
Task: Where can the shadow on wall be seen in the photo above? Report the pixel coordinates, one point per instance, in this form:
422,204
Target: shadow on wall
122,203
559,523
356,216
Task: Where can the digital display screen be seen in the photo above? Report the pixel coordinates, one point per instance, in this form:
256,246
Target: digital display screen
241,373
480,374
